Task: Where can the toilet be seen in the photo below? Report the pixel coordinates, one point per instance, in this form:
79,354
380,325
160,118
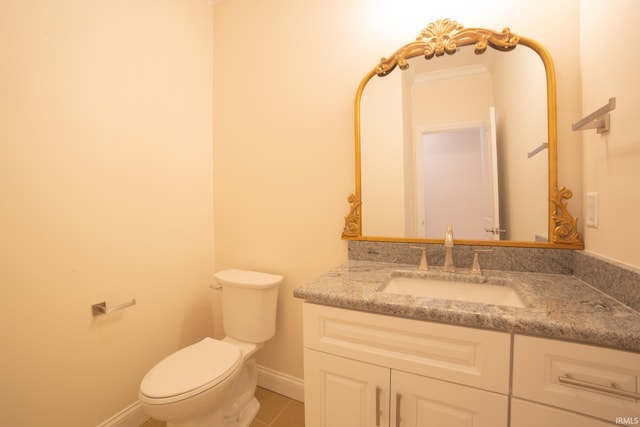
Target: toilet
212,383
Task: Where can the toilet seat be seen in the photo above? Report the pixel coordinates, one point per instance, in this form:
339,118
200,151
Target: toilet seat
190,371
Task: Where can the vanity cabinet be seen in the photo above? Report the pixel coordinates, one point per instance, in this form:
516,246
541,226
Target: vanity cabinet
572,384
364,369
344,392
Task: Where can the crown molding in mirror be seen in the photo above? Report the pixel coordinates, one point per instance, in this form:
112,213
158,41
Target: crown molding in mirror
445,37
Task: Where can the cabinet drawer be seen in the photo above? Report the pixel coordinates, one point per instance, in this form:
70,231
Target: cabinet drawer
542,369
528,414
457,354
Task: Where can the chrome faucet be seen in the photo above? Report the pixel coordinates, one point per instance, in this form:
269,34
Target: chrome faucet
449,266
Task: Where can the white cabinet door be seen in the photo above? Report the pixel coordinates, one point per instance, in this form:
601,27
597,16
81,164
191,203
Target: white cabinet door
529,414
341,392
429,402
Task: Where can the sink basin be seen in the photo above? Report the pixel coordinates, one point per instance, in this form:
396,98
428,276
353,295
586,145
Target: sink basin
483,293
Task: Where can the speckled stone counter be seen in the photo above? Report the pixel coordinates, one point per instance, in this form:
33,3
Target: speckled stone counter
556,305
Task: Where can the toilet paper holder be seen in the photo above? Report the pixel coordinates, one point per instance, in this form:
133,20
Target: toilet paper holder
101,307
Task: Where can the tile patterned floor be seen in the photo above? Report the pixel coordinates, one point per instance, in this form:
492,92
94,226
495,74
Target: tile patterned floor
275,411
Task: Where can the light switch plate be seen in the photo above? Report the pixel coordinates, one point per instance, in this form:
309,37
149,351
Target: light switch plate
593,210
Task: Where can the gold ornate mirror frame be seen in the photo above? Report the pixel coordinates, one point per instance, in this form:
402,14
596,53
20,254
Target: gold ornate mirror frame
445,37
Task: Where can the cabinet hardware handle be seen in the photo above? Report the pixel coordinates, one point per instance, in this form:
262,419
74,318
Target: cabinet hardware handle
398,398
613,389
378,411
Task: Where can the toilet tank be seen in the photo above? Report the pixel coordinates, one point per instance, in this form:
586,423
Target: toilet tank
249,300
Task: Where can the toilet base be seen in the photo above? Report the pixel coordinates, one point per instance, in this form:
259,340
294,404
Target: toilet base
215,419
246,416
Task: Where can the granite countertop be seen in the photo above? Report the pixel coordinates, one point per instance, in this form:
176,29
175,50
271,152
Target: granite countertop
556,306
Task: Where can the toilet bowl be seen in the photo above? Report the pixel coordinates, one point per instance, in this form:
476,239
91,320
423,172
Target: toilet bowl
212,383
191,383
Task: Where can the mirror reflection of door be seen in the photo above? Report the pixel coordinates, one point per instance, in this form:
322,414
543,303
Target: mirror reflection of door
456,177
448,92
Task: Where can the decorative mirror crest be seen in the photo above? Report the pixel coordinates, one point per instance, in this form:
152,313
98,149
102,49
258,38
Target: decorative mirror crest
445,37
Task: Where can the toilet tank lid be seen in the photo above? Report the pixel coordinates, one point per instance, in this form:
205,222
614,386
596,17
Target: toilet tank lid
247,278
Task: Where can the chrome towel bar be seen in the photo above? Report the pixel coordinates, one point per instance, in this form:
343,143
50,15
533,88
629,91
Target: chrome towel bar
538,149
599,119
101,307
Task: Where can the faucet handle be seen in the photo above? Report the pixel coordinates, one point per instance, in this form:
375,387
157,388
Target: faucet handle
424,266
475,267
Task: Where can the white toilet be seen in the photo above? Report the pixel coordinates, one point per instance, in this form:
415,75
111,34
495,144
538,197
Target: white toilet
212,383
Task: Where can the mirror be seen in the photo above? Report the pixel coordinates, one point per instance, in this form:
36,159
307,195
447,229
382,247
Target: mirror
462,134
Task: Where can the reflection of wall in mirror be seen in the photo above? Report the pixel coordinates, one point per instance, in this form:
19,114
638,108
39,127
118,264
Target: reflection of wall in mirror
382,171
521,126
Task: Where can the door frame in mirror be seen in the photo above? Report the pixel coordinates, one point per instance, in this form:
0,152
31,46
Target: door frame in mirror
445,37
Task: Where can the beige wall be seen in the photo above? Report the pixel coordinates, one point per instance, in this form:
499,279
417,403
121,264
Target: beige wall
106,194
285,77
610,63
283,149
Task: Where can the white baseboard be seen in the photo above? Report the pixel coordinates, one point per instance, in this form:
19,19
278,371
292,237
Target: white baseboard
283,384
131,416
280,383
